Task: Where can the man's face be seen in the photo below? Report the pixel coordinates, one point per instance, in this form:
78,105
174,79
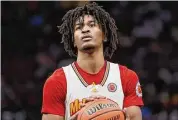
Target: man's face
88,35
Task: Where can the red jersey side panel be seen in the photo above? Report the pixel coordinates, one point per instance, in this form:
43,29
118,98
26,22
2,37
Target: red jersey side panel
131,87
54,93
55,89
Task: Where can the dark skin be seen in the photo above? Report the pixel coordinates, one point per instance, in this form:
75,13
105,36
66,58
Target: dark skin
90,58
88,26
90,55
90,50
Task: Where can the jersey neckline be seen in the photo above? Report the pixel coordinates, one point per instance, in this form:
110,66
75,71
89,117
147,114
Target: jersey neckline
75,66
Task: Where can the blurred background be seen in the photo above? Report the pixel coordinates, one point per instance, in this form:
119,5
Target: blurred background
31,51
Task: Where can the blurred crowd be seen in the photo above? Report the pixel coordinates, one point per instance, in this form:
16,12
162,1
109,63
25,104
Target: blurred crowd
31,51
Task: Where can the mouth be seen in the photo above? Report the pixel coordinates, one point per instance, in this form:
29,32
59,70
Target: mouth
86,38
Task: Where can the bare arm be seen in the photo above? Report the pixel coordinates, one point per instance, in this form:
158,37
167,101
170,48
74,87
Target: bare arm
134,113
52,117
133,94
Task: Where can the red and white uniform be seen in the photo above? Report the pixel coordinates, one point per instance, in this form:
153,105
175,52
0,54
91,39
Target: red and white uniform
68,87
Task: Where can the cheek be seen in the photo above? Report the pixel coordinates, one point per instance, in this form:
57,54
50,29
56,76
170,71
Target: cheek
76,36
99,34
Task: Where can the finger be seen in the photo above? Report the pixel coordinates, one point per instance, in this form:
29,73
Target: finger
91,98
74,117
126,114
100,97
82,105
97,97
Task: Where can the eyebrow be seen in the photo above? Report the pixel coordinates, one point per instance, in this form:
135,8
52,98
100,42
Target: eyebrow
80,23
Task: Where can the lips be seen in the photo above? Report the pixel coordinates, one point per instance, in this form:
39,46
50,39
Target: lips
86,37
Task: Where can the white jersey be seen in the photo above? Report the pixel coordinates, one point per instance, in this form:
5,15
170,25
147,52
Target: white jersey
78,89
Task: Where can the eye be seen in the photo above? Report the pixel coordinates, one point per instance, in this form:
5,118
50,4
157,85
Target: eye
78,27
92,24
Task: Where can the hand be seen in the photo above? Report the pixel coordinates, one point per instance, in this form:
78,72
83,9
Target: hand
89,99
92,98
126,114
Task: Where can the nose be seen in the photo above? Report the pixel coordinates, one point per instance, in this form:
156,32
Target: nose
85,29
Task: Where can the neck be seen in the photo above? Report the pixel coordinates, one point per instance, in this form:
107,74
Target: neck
91,63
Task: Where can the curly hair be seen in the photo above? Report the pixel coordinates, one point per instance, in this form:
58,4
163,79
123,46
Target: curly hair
103,18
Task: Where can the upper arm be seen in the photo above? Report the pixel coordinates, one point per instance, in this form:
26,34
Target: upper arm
54,93
132,93
52,117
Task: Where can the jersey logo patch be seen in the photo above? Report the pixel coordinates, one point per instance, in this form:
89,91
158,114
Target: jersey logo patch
138,90
94,88
112,87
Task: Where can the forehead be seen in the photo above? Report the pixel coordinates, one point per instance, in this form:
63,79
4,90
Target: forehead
85,19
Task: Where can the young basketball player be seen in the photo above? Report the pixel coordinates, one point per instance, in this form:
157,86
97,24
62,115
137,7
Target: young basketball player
90,34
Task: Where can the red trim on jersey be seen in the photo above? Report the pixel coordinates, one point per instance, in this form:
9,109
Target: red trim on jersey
90,78
129,81
54,94
55,88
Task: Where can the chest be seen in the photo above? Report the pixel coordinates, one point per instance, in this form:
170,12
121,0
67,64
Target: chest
110,86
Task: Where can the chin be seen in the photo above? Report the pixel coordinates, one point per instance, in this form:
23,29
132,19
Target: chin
88,45
89,51
88,48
